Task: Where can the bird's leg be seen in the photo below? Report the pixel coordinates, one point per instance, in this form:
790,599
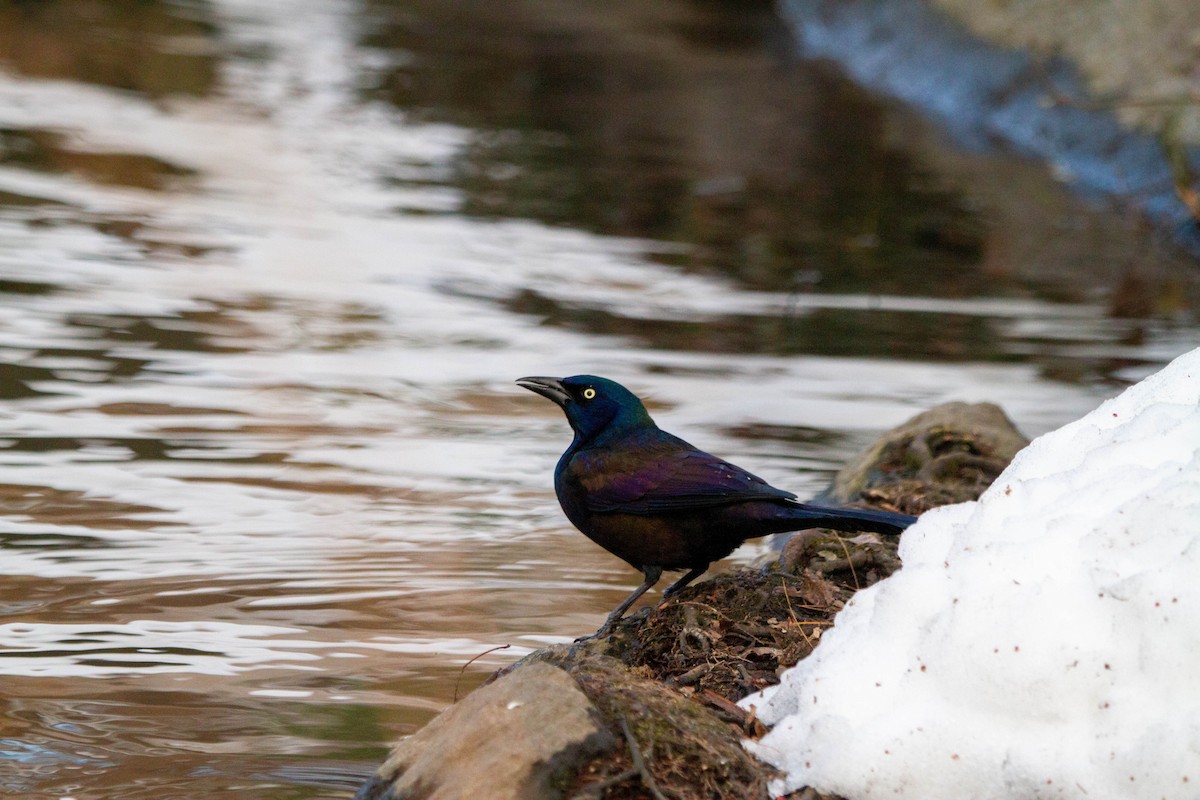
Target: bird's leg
652,576
684,581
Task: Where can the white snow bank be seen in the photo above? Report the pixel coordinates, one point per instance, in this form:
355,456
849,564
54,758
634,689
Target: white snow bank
1041,642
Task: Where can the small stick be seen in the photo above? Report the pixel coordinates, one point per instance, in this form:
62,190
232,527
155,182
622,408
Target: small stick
716,611
597,789
725,705
472,661
849,561
787,599
639,763
693,675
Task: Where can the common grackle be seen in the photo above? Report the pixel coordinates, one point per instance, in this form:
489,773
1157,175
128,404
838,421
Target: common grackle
655,501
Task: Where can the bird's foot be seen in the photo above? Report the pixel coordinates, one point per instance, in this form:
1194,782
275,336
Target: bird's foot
604,631
672,591
607,628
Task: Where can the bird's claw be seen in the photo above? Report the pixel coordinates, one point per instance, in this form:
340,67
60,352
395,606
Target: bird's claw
601,632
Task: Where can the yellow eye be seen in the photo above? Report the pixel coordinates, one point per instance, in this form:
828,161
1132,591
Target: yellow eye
589,393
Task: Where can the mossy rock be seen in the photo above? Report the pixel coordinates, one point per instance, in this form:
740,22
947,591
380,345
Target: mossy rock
668,743
948,454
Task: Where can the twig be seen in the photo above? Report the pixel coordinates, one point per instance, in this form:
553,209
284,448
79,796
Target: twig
597,789
859,557
752,631
716,611
639,763
747,681
724,705
787,599
472,661
694,674
795,620
807,640
849,561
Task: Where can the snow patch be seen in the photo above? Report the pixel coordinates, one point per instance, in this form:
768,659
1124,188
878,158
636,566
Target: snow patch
1042,642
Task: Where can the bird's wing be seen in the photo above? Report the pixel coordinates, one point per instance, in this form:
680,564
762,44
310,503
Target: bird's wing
666,475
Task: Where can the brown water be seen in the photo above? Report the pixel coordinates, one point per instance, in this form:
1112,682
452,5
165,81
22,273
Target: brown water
268,270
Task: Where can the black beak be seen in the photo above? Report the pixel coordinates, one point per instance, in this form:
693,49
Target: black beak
550,388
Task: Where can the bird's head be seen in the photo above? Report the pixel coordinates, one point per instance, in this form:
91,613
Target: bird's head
593,405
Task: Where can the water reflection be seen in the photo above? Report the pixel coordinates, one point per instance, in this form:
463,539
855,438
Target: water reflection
148,46
269,270
777,173
769,168
48,151
864,331
52,506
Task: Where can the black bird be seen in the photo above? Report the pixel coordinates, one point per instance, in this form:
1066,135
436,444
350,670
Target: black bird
656,501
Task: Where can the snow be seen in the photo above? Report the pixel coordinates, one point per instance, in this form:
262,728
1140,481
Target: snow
1042,642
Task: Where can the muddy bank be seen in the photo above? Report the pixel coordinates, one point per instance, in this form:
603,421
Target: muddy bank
1048,82
650,711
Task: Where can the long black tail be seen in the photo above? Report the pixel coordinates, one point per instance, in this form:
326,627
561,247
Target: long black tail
854,520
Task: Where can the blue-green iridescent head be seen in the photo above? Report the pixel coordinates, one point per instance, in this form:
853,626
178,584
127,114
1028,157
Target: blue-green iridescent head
593,405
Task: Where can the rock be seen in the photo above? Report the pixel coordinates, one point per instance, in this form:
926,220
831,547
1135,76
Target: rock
520,737
673,745
948,454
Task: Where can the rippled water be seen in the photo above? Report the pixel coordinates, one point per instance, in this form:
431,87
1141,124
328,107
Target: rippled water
268,270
